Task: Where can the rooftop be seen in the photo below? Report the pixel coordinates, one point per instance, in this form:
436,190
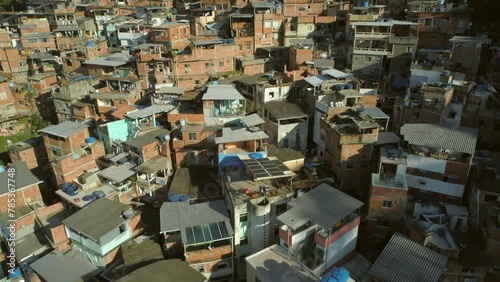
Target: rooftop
222,92
470,39
284,154
376,113
64,129
284,110
114,60
178,215
165,270
237,134
98,218
118,173
252,120
137,253
26,144
171,90
197,182
23,178
147,138
40,76
153,165
151,110
73,266
331,206
461,139
405,260
274,264
335,73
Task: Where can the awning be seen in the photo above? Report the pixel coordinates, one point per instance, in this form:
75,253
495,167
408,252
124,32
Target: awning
215,25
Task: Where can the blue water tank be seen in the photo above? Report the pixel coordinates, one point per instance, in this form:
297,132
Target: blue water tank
90,140
367,4
29,7
255,156
2,168
349,86
308,165
174,197
230,41
184,198
215,82
90,43
15,274
339,274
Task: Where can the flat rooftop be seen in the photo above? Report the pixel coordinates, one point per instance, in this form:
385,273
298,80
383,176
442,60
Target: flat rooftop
64,129
197,182
273,263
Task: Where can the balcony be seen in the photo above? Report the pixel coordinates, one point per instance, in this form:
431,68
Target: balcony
388,181
371,51
403,40
362,18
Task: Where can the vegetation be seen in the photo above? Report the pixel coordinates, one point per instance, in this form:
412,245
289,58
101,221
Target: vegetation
12,5
34,123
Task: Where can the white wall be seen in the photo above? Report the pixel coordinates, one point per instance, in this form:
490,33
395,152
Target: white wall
436,186
425,163
339,249
289,131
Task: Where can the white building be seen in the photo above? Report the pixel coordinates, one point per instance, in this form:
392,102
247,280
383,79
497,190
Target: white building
286,125
99,229
256,191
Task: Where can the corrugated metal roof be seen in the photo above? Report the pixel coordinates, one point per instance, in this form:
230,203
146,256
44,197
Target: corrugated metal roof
73,266
317,79
65,129
252,120
375,113
152,165
165,270
151,110
324,205
118,173
192,128
23,177
461,139
222,92
179,215
405,260
114,60
232,134
335,73
98,218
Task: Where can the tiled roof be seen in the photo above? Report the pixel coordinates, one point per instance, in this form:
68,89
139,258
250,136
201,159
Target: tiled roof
461,139
405,260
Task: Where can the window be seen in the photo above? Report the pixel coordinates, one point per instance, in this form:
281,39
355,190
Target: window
409,49
267,24
349,165
56,152
222,264
201,268
452,114
249,46
322,137
356,58
187,65
310,28
368,59
192,136
3,96
240,47
123,228
281,208
243,217
20,102
321,154
387,204
243,241
221,64
276,24
32,40
271,94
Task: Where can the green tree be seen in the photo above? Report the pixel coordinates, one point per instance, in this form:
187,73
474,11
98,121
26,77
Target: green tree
12,5
37,122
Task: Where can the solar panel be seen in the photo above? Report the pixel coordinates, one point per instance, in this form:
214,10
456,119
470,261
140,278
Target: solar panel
206,233
262,168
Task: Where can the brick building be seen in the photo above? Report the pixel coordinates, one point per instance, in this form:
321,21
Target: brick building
349,137
26,184
70,150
